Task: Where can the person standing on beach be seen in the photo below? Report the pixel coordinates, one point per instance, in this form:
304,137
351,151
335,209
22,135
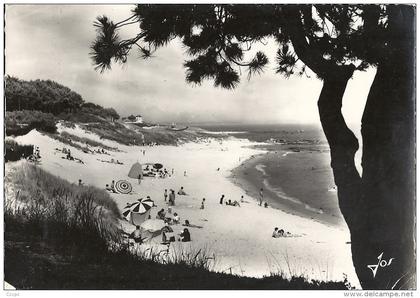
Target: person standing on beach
172,198
202,203
185,173
165,194
221,199
261,196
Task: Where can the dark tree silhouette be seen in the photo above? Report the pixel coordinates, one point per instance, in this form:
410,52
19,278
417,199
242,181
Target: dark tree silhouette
50,97
332,41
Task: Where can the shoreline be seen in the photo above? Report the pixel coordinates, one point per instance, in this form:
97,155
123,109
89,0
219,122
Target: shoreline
251,175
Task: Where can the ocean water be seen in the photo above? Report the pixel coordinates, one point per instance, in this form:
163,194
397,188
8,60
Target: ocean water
273,132
296,172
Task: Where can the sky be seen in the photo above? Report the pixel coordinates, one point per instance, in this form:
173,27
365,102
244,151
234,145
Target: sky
52,42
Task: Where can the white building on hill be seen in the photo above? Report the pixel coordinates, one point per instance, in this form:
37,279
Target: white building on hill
133,119
139,119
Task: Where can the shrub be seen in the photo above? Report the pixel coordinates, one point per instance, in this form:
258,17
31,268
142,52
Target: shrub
22,122
15,151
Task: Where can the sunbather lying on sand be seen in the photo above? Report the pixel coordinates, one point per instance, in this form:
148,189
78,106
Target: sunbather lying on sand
187,224
111,161
182,192
234,203
282,234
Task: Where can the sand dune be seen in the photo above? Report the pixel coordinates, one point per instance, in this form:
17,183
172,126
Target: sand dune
239,237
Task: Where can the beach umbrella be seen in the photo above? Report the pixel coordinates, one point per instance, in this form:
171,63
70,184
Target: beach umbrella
153,225
123,187
142,205
138,212
158,166
127,212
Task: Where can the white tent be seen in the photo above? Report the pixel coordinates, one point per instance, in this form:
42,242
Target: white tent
136,171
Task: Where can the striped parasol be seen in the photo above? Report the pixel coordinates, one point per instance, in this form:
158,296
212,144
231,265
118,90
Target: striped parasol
127,211
141,206
123,187
138,212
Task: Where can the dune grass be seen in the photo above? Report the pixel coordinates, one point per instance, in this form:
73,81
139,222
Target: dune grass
60,235
80,143
61,214
131,134
115,132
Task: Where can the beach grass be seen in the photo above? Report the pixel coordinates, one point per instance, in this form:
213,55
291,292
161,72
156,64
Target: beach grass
81,143
131,134
59,235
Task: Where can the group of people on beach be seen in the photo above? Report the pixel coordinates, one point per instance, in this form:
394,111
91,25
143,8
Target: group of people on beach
100,151
184,236
168,217
35,156
277,233
157,173
68,155
170,198
229,202
111,161
111,187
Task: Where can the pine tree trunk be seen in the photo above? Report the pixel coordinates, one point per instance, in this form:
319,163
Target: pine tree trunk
379,207
343,144
388,182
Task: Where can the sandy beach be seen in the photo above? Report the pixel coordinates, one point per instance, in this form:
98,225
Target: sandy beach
238,237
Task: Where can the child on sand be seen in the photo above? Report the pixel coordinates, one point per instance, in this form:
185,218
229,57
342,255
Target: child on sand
176,218
202,203
161,214
165,194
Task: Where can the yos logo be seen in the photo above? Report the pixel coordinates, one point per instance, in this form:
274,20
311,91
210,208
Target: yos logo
381,263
